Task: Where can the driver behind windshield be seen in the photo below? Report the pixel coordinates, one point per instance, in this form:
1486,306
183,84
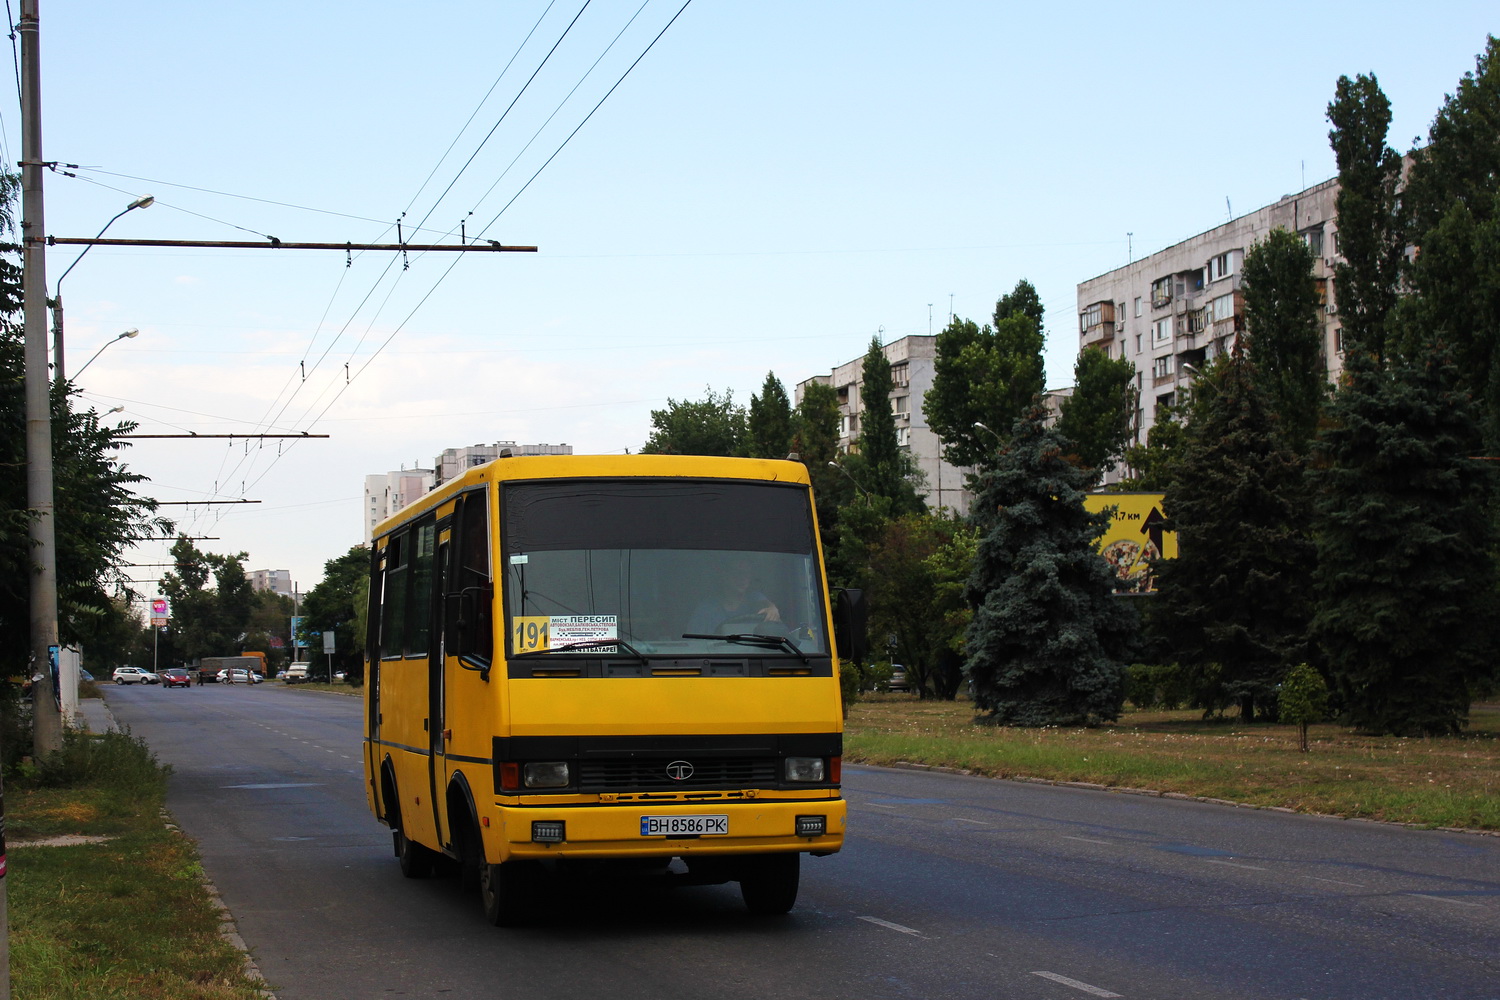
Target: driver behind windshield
734,601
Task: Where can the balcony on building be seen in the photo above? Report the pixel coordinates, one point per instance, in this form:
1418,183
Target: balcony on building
1096,324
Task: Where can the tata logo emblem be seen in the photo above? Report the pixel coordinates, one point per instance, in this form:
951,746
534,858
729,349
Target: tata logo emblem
679,770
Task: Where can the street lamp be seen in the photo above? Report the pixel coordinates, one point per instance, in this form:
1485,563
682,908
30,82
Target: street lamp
145,201
851,479
127,335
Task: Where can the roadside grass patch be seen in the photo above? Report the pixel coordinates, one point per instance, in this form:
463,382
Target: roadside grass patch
127,919
1448,781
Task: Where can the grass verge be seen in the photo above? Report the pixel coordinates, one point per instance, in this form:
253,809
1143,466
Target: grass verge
123,920
1438,782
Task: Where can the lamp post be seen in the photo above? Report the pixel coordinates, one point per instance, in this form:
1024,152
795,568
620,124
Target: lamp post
145,201
128,334
861,489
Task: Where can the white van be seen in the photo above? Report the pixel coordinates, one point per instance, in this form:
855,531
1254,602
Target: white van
296,673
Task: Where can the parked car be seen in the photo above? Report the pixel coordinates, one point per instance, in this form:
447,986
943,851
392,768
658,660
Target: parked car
135,675
898,678
84,675
239,675
176,677
296,673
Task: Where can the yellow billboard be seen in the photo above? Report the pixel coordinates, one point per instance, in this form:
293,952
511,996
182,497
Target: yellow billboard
1134,538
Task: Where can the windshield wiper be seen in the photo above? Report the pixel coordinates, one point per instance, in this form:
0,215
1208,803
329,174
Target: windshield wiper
754,639
588,644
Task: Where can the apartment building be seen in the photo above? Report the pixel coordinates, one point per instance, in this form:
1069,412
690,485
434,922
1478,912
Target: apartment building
912,365
1183,306
454,461
385,494
278,581
389,492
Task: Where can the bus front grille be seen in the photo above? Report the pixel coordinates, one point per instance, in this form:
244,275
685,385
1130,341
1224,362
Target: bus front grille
652,775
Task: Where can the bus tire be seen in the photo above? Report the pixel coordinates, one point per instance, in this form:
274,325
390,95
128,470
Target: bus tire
768,883
508,892
416,861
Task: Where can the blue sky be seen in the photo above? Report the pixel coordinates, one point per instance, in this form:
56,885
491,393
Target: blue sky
771,186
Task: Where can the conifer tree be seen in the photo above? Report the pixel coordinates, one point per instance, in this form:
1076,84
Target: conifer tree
1048,643
1406,575
1233,606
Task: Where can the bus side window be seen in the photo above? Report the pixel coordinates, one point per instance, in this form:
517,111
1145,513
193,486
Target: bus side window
469,612
423,561
393,597
372,623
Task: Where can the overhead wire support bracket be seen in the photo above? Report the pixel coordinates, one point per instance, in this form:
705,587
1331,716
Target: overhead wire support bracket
487,247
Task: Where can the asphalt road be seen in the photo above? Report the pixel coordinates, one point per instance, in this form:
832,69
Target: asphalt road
949,886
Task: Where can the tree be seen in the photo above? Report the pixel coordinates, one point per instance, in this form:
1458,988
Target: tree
815,439
1099,417
1284,342
713,425
1303,699
1233,607
1406,575
336,605
769,427
211,602
269,626
915,595
1049,643
987,375
1371,237
880,465
1452,198
96,513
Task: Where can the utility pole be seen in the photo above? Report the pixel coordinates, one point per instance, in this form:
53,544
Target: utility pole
46,718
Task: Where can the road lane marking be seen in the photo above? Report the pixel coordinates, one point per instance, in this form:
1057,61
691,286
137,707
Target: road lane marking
1234,864
892,927
877,805
976,822
1087,840
1444,899
287,784
1085,987
1355,885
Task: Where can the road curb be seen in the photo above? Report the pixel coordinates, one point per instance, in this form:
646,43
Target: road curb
906,765
228,929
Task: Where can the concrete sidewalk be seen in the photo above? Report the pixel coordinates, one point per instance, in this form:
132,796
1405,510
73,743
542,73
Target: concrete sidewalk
94,715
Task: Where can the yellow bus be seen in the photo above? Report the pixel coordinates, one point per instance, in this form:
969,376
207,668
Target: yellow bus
576,659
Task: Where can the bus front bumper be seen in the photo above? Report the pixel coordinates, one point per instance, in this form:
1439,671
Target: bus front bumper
642,829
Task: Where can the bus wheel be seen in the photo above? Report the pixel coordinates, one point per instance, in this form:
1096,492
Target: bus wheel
508,892
416,861
768,883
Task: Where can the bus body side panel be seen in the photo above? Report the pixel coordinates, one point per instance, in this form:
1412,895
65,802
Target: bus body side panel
404,738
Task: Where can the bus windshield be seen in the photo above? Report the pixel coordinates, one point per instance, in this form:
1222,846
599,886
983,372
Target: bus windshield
671,567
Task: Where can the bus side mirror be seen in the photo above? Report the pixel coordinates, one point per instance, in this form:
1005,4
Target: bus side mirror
851,624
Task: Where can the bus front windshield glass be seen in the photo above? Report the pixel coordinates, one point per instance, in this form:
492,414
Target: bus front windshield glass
670,567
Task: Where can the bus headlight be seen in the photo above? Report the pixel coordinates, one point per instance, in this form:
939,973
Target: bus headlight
547,774
806,769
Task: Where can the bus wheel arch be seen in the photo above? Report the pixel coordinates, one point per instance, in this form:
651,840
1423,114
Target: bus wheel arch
416,861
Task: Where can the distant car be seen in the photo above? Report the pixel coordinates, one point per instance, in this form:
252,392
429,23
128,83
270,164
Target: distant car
296,673
898,678
176,677
134,675
239,675
84,675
